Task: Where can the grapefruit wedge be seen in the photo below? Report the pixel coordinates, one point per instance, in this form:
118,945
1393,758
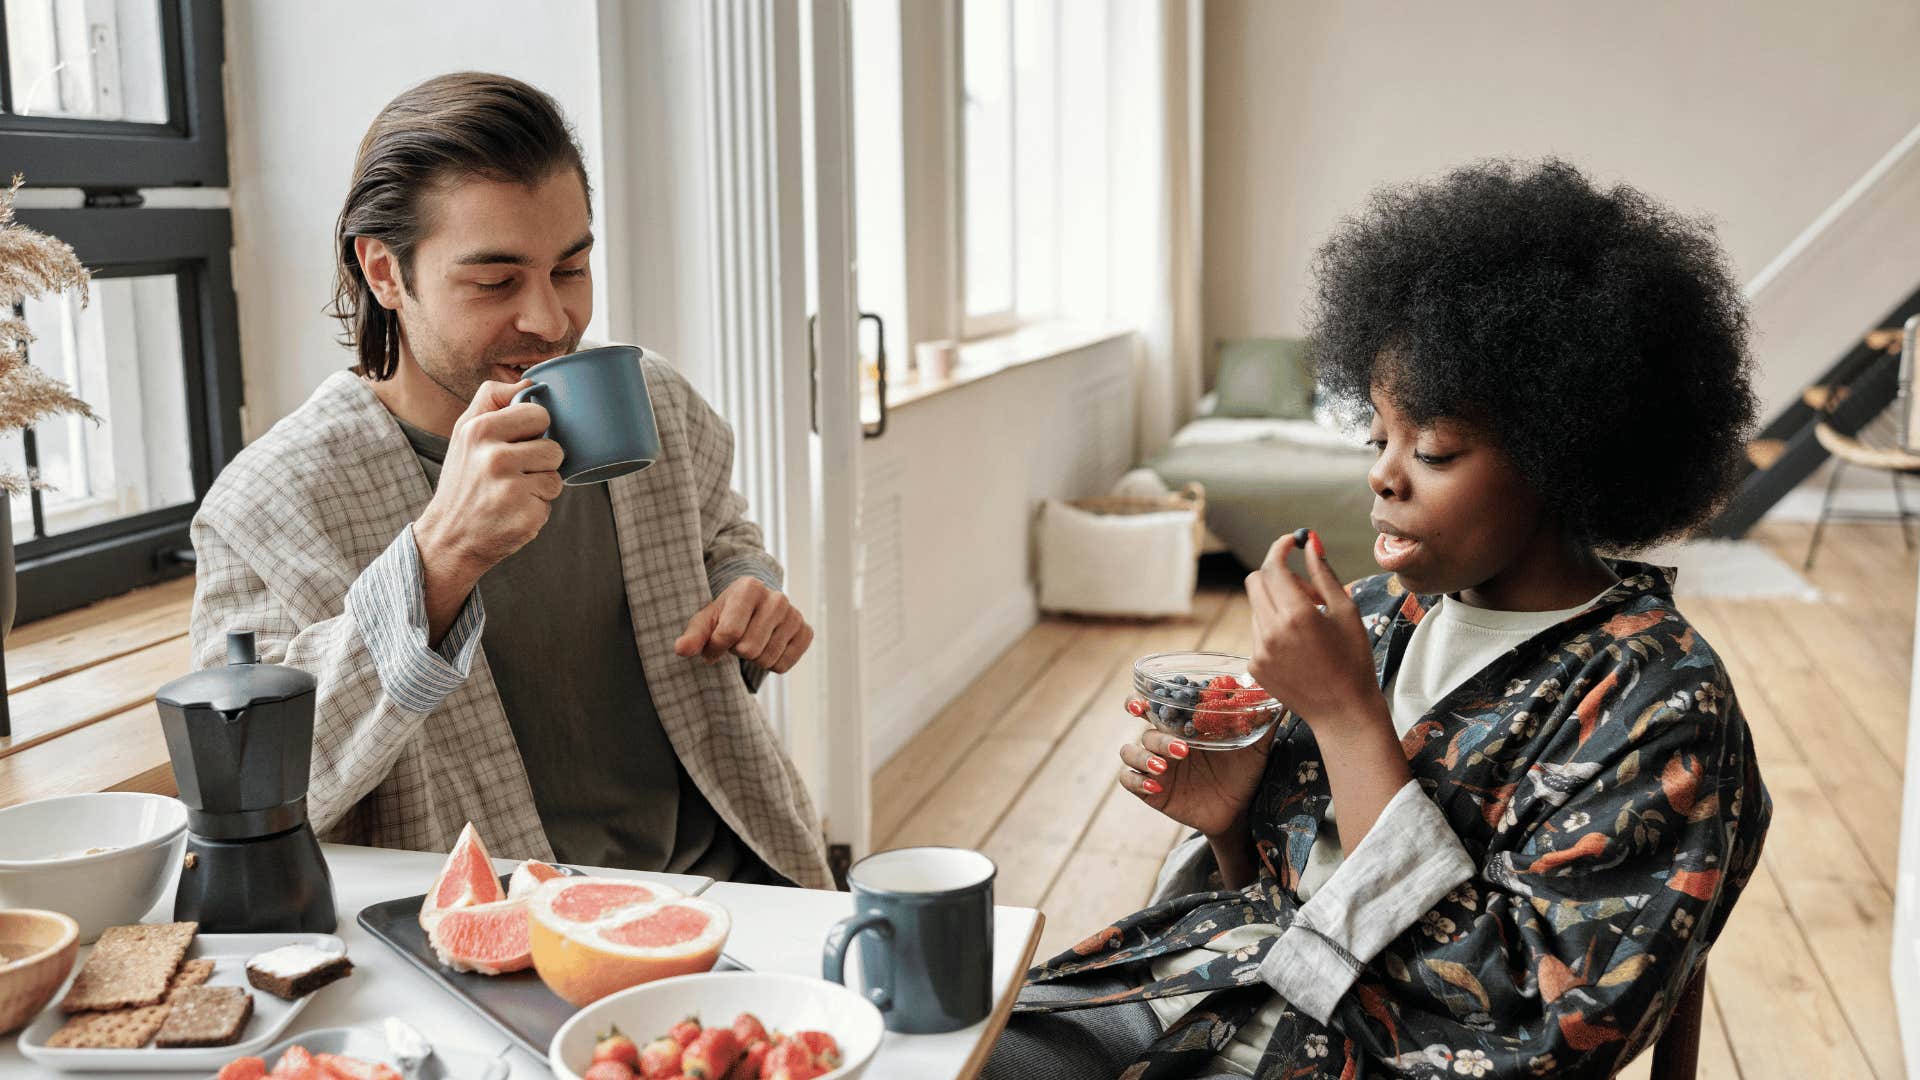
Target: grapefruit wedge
466,879
529,876
593,936
487,938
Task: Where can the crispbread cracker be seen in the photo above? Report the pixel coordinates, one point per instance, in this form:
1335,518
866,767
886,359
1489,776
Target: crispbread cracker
191,974
131,966
207,1016
123,1029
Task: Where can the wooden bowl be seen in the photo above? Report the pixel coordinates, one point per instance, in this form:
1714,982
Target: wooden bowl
42,945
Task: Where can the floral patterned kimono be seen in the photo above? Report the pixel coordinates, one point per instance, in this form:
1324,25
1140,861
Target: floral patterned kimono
1601,779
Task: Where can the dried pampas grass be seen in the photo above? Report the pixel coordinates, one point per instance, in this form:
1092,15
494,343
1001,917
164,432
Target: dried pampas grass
32,264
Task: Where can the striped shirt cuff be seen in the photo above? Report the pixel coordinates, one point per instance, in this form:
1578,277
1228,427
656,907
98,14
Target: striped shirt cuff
388,602
1406,863
726,573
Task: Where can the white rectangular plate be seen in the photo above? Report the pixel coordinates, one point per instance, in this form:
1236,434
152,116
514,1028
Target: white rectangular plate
229,953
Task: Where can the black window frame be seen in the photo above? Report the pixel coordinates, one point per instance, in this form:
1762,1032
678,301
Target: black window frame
67,570
189,150
110,161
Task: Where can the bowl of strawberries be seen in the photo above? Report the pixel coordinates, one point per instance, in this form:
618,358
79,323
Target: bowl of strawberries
1206,699
722,1025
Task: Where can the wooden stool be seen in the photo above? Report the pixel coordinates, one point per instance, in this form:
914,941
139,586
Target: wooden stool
1677,1053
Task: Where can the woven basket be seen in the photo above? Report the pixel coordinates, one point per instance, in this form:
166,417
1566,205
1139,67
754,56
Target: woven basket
1191,497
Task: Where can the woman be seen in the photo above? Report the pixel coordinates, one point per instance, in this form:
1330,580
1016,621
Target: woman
1520,799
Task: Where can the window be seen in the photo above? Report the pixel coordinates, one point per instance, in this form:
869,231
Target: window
1009,135
115,94
115,97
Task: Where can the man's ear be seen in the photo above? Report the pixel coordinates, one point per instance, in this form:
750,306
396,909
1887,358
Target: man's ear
381,268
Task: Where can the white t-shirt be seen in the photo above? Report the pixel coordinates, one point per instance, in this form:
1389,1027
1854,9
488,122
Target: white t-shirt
1453,642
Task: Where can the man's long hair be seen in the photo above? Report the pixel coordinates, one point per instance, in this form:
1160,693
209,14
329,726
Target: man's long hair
466,125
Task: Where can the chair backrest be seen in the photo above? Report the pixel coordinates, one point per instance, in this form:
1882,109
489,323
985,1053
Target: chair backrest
1677,1054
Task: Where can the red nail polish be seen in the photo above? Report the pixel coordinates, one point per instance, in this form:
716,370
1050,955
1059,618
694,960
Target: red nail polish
1313,542
1177,749
1136,707
1151,787
1155,765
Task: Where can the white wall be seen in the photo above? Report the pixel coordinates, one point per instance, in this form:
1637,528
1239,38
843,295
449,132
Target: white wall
1759,114
947,502
303,83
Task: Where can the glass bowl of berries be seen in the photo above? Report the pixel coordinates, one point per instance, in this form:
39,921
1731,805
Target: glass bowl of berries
1206,699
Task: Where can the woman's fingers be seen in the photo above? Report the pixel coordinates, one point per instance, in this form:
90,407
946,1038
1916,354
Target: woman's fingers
1333,593
1141,784
1283,585
1141,760
1159,742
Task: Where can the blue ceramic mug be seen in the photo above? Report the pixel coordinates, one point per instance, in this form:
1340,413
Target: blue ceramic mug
601,414
924,917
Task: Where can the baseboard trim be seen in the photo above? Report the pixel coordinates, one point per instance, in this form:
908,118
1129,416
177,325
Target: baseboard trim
902,709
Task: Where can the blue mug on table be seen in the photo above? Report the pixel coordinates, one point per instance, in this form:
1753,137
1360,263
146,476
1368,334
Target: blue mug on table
601,414
924,917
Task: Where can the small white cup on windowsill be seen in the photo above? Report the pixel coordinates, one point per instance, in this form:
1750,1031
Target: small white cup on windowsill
936,360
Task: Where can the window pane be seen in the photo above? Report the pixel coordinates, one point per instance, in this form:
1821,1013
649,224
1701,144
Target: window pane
988,130
97,59
1036,116
122,355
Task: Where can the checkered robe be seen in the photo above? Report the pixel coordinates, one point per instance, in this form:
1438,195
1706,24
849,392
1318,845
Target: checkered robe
306,540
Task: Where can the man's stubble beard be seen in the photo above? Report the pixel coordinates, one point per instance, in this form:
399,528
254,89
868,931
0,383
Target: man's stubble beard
437,360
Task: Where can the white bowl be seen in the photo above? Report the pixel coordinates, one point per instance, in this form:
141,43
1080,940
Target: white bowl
782,1002
44,861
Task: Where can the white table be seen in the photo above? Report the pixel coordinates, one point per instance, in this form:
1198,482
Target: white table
773,930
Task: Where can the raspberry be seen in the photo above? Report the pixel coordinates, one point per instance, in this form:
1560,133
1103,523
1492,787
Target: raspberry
1224,682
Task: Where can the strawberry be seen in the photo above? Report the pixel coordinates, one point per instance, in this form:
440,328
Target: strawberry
748,1029
246,1068
685,1031
825,1051
661,1058
750,1062
607,1070
1214,724
338,1067
790,1060
614,1046
711,1056
296,1064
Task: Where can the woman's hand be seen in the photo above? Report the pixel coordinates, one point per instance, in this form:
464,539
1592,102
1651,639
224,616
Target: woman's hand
1209,791
1310,650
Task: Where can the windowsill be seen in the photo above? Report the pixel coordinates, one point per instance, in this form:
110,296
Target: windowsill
985,358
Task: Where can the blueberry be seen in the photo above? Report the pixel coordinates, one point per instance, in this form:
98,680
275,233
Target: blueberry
1177,680
1187,730
1300,537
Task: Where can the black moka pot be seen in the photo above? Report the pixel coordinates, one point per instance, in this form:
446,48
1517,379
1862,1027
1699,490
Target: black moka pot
241,738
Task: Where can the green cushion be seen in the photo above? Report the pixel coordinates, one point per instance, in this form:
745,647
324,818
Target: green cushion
1265,377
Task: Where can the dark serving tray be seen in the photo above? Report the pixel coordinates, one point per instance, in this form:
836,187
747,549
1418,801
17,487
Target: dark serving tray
518,1004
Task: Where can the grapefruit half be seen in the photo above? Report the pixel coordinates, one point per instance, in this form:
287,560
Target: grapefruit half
488,938
589,940
466,879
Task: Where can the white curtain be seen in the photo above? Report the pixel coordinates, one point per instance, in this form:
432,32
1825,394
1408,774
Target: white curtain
1154,79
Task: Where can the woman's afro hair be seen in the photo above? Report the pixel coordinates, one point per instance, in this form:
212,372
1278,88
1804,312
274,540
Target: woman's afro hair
1597,335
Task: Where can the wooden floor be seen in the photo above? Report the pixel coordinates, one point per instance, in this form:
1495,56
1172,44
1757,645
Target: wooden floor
1021,766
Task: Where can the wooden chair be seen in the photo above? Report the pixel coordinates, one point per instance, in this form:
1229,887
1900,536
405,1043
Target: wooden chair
1677,1053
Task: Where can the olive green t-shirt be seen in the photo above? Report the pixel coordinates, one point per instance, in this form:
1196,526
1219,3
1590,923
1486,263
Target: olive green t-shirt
559,638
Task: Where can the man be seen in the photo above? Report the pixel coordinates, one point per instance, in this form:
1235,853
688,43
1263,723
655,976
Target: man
571,668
